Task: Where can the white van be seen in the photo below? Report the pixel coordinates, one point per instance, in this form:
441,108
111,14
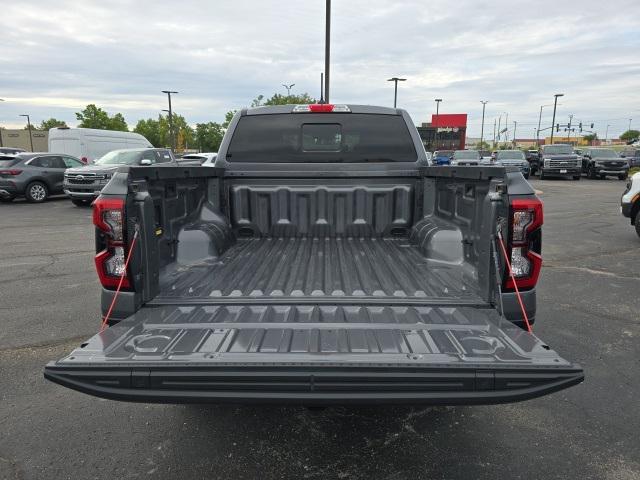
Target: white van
89,144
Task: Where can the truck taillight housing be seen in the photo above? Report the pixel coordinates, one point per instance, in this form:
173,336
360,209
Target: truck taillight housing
109,220
525,243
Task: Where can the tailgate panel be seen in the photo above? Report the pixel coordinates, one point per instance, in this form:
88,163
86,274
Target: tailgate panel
315,354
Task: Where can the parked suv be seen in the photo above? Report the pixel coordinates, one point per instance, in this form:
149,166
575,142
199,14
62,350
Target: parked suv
35,176
83,185
465,157
556,160
513,158
600,162
630,201
632,155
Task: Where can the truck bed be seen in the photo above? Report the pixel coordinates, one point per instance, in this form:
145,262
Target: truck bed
374,268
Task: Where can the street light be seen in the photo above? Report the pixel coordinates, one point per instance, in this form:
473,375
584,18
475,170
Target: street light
173,140
630,124
327,49
539,120
395,80
288,87
484,103
555,104
438,100
606,134
29,126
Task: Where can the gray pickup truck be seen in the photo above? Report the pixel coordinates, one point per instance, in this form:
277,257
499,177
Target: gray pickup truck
83,185
557,160
321,261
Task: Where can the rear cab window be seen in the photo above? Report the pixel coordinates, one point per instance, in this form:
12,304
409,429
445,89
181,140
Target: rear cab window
321,138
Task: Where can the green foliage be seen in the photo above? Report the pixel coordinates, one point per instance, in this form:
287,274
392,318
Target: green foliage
278,99
482,146
228,117
590,137
157,132
209,136
630,135
95,117
51,123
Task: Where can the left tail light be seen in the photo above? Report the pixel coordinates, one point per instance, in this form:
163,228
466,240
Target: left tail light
11,172
525,242
109,220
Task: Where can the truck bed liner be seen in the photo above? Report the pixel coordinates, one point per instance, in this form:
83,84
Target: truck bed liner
321,267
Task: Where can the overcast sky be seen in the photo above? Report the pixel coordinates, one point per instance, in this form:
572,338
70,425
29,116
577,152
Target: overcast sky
57,57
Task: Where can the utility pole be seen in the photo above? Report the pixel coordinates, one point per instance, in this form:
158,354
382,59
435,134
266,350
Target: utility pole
173,138
327,50
629,124
606,134
321,87
515,125
569,128
29,127
288,87
395,80
484,103
499,120
494,134
1,100
555,104
438,100
506,128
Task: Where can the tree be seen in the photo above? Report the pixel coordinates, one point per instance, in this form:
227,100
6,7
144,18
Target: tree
209,136
590,138
278,99
630,136
228,117
157,131
482,146
51,123
95,117
150,129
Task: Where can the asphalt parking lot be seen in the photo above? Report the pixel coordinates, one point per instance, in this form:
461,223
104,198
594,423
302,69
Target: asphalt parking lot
588,309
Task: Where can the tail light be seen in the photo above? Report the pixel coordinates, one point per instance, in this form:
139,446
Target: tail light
321,108
10,172
109,219
525,243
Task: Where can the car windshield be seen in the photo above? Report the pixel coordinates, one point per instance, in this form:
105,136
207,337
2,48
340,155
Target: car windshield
510,155
119,157
558,150
466,155
604,153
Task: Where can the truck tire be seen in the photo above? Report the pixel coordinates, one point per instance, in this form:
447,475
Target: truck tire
541,174
36,192
637,222
591,172
576,177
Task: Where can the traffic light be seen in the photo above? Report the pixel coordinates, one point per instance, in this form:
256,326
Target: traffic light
557,127
580,125
592,125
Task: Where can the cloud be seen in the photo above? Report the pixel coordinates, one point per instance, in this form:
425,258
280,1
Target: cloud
220,55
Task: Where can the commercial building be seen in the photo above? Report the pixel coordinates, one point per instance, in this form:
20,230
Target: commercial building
19,138
446,131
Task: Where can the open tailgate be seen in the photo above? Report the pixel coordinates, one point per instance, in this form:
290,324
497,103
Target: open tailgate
315,354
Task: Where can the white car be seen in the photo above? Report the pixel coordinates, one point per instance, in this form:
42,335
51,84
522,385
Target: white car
630,201
205,159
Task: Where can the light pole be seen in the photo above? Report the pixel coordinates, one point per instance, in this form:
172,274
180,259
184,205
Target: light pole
1,100
555,104
515,125
29,127
606,134
395,80
288,87
173,140
493,145
569,128
499,120
539,120
484,103
629,124
327,49
163,143
438,100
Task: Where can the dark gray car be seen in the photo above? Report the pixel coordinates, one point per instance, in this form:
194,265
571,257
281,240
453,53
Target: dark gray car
83,185
601,162
35,176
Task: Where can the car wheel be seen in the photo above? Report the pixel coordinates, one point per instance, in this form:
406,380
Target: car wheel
576,177
527,176
541,174
591,173
37,192
80,203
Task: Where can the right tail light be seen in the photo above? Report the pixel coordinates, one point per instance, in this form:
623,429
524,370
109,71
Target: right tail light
109,220
525,243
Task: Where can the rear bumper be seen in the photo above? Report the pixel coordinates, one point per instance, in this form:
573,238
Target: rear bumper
9,190
319,385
